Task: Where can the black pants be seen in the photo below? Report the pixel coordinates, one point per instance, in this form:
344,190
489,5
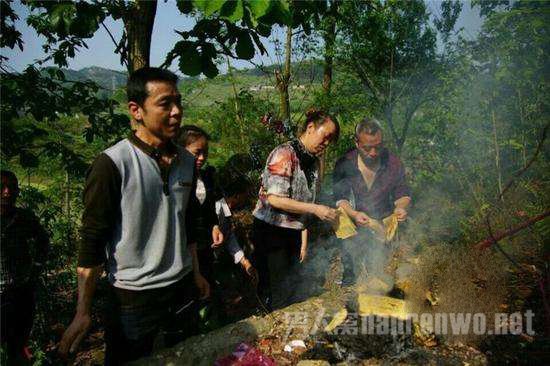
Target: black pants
270,240
16,319
134,319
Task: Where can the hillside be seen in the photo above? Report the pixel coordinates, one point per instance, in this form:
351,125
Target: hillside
204,92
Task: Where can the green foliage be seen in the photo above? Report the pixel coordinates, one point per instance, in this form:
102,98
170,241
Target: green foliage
455,107
10,37
230,28
31,107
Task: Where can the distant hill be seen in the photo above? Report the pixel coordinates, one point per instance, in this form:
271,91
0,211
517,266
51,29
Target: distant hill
208,90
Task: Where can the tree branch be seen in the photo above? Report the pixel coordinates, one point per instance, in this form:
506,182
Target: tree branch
530,162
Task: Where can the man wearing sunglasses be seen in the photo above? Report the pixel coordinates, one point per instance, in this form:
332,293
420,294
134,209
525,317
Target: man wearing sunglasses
375,178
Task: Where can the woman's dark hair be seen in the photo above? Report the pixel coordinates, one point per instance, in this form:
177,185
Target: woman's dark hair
190,134
319,118
136,87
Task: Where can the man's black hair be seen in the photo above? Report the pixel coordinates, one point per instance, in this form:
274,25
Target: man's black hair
11,176
368,125
136,87
237,185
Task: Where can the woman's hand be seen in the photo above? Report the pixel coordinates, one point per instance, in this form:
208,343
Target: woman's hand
325,213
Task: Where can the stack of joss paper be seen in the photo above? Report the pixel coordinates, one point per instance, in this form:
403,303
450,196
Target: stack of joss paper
344,226
390,226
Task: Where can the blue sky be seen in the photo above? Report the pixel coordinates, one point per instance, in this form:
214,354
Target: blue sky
100,51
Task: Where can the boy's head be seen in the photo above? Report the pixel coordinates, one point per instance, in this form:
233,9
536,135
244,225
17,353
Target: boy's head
10,191
237,192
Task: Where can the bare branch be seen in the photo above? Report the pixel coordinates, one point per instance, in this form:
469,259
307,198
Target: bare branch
530,162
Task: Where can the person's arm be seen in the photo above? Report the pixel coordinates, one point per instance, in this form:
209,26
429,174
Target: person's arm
101,210
359,217
233,248
276,182
290,205
303,247
342,191
77,330
200,281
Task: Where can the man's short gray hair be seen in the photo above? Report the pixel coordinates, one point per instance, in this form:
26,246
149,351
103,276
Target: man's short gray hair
368,125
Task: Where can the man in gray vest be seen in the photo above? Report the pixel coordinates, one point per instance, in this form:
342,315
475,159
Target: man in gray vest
138,225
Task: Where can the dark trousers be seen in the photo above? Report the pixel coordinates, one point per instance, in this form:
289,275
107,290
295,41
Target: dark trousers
365,251
17,315
270,241
134,318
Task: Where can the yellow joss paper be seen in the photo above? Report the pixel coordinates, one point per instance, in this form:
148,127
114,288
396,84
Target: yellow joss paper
381,306
338,319
390,225
344,228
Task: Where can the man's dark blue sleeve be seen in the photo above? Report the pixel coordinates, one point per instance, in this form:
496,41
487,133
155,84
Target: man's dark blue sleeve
101,211
341,186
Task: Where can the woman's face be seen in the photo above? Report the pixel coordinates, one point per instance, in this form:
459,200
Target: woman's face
199,149
316,139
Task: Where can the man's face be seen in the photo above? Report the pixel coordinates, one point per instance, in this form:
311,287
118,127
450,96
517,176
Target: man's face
369,146
10,191
161,112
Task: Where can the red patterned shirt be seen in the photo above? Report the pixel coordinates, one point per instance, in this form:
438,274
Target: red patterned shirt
284,176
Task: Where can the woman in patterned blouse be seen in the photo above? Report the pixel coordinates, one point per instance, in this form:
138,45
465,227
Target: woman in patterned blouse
287,197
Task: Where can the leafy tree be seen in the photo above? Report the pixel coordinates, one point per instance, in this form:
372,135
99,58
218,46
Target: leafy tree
391,47
230,28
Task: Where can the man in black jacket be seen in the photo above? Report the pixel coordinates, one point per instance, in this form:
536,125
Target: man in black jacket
24,250
376,179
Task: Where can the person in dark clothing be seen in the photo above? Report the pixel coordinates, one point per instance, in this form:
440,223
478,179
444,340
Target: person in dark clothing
138,224
23,254
376,179
208,234
286,198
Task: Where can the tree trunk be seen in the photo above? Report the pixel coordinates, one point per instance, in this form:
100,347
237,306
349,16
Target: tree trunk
523,139
283,79
238,114
138,23
329,38
497,154
67,207
388,113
